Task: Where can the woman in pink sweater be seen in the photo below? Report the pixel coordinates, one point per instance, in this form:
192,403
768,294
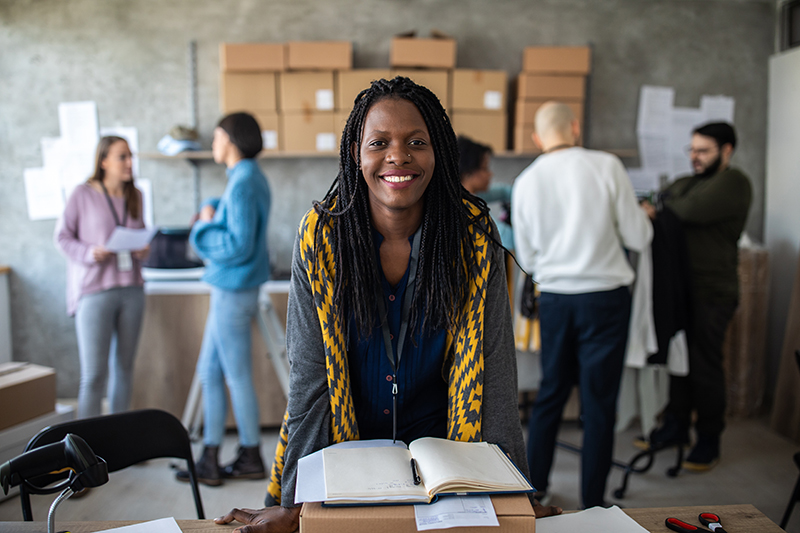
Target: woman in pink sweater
104,289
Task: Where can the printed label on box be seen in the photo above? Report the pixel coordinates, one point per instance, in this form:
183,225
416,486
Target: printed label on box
493,100
324,99
326,142
270,139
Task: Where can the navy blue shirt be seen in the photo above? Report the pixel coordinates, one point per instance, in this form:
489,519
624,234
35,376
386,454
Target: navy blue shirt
421,387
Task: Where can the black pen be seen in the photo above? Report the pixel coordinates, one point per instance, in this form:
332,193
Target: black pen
417,480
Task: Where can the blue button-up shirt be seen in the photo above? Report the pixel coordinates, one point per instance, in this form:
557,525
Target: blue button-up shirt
421,386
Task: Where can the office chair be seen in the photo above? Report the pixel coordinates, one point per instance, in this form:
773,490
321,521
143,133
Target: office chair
122,440
796,492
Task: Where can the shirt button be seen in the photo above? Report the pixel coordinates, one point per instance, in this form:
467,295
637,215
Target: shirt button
391,297
389,377
386,411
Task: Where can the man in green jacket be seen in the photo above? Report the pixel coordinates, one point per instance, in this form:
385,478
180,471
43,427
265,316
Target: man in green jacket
712,206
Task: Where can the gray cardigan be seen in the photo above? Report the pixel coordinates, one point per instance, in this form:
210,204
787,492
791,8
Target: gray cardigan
309,407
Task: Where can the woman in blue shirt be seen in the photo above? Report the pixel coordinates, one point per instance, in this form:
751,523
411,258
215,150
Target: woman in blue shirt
231,236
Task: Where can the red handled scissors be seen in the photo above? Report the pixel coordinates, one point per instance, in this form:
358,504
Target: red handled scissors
682,527
712,521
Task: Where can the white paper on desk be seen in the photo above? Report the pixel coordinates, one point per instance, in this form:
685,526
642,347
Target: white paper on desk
78,123
123,239
43,194
717,108
456,511
162,525
310,485
655,108
684,120
596,520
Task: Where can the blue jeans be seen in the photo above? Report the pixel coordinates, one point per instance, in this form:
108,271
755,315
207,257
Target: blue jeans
225,358
583,342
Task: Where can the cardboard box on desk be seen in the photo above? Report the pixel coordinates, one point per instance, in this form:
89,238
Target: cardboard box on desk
486,127
557,59
252,57
26,391
249,91
308,131
538,86
439,51
319,55
307,91
351,82
478,90
514,514
436,80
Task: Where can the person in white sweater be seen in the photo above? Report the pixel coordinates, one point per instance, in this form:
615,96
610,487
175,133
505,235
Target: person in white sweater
574,213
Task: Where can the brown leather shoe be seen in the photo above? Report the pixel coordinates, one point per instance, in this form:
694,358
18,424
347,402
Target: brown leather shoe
206,469
247,465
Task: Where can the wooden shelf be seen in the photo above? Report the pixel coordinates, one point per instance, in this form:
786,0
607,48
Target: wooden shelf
206,155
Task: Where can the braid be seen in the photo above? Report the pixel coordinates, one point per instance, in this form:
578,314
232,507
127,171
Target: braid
447,255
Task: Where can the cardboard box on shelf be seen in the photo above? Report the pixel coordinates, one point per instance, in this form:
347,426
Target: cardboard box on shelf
252,57
557,59
308,131
534,86
438,51
319,55
478,90
483,127
254,91
307,91
514,514
523,140
26,391
339,122
438,81
525,112
270,128
351,82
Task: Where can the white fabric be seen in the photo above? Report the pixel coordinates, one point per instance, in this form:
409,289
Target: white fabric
573,211
678,355
642,340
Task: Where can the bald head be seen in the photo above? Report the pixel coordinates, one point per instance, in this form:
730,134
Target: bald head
554,119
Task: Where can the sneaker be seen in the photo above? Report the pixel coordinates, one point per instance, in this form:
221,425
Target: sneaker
671,433
206,469
247,465
705,454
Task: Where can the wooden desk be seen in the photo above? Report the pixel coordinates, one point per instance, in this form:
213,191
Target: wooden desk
735,518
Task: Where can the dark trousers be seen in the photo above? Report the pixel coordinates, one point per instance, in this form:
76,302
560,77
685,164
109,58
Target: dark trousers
703,389
583,342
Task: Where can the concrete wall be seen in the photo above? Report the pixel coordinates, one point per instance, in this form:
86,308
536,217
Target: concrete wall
131,58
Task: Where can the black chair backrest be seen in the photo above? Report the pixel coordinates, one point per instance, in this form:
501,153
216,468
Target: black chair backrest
122,440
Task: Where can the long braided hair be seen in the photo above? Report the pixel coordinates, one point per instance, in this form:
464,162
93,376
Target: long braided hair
447,253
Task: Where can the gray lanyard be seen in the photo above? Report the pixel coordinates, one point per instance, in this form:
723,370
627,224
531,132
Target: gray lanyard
114,211
406,311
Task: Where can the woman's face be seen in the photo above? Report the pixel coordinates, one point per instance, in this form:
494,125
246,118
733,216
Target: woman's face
118,163
482,176
221,145
397,158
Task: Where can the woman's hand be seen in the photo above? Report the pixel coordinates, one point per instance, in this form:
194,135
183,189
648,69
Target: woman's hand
275,519
541,511
142,254
100,254
207,213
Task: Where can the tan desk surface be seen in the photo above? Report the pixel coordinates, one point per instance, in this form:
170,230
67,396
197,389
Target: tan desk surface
735,518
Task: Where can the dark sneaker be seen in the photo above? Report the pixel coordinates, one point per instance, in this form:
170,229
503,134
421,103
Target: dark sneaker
206,469
705,454
247,465
671,433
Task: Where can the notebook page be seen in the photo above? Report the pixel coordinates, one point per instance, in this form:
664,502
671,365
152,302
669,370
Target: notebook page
369,472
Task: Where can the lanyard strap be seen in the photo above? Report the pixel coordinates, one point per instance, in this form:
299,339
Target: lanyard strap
114,211
406,311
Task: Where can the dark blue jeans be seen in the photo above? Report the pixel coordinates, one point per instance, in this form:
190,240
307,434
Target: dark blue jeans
583,342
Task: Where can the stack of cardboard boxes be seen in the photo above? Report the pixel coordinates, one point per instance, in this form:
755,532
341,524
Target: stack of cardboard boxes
289,88
302,93
548,73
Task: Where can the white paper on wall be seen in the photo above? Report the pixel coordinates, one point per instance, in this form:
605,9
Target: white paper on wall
655,108
643,181
78,123
717,108
43,194
684,120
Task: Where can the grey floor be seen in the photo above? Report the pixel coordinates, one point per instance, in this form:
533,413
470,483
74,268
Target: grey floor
756,468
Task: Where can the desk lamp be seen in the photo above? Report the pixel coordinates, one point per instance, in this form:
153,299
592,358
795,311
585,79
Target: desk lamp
70,453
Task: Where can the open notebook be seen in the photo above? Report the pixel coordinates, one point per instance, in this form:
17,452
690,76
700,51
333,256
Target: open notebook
383,474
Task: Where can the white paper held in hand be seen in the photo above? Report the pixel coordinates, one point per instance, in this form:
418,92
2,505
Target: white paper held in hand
124,239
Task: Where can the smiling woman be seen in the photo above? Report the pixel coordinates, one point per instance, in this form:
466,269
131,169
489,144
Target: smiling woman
398,323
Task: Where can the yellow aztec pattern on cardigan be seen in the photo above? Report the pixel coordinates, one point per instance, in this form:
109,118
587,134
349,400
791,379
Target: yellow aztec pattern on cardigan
465,389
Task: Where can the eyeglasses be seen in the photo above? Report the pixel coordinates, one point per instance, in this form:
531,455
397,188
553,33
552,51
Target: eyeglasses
698,151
